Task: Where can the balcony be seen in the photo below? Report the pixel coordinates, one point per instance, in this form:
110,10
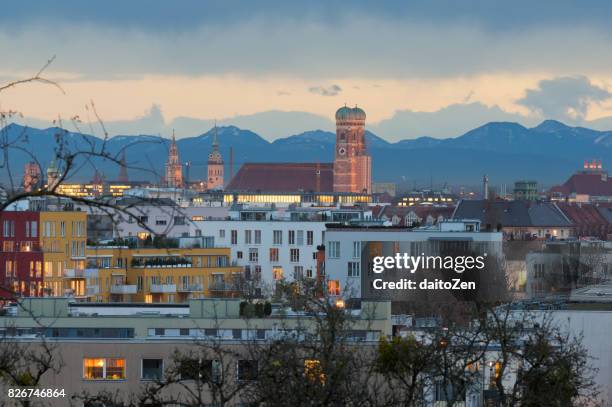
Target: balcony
93,290
123,289
162,288
74,273
189,288
222,286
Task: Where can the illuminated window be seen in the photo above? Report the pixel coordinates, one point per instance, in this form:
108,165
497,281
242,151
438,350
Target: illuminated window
333,287
273,254
197,218
313,371
103,369
277,273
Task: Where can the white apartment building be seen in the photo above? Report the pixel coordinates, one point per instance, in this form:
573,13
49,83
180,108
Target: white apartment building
349,250
269,249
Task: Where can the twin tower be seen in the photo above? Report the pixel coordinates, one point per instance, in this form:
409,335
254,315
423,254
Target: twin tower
352,163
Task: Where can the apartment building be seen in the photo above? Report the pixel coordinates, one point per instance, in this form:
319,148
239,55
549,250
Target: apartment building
41,250
350,252
159,275
119,348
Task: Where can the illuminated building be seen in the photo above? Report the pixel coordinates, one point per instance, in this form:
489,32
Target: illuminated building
152,275
352,163
41,251
215,166
350,173
591,184
174,169
31,176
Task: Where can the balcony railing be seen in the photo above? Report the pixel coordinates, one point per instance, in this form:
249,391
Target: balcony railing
223,286
123,289
162,288
190,288
93,290
74,273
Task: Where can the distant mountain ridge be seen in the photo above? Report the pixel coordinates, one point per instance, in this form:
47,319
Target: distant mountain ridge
504,151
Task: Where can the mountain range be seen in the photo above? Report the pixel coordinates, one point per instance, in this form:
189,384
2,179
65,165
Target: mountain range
504,151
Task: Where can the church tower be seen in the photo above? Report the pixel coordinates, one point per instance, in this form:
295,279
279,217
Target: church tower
174,169
215,165
352,163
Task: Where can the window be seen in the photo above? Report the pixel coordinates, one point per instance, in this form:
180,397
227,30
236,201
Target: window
309,237
63,229
236,333
274,254
354,268
333,287
197,218
291,237
247,237
247,370
356,250
277,237
313,371
34,229
160,221
179,220
294,255
300,237
203,370
184,332
160,331
239,255
222,233
211,332
234,237
152,369
277,273
258,237
298,273
253,255
103,369
143,219
334,250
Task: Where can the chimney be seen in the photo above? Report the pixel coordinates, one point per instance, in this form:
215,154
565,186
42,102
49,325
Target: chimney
485,187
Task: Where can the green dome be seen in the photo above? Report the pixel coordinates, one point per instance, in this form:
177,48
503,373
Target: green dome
347,113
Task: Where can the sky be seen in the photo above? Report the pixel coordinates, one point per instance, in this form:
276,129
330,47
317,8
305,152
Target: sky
435,68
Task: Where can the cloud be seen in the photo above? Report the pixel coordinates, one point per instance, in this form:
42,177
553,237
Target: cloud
564,98
332,90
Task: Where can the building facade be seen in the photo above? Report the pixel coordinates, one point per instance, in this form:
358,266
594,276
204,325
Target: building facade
349,251
159,275
352,163
215,166
174,168
41,251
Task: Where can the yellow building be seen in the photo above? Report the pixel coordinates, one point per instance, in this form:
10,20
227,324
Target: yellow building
63,239
152,275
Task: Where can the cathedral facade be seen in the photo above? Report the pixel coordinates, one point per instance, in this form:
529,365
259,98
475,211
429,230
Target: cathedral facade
351,171
352,163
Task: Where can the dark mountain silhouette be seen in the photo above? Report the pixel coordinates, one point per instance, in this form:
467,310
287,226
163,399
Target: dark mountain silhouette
549,152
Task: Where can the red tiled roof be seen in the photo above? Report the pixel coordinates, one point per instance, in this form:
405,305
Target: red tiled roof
587,218
586,184
283,177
